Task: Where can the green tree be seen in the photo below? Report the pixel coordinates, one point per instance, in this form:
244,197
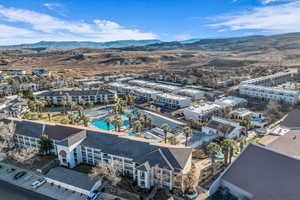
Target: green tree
86,120
117,121
138,115
187,132
212,149
137,125
166,128
46,145
130,118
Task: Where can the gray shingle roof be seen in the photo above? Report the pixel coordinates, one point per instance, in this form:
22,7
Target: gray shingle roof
292,120
166,157
71,177
289,143
266,174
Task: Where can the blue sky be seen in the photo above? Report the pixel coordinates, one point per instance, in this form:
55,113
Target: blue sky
26,21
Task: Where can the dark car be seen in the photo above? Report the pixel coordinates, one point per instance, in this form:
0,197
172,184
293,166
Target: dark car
19,175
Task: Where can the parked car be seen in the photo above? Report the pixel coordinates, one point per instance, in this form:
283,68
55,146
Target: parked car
38,183
10,170
19,175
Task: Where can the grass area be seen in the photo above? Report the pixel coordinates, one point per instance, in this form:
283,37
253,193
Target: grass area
83,168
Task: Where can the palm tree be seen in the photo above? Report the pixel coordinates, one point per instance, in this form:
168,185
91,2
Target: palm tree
45,144
242,142
71,118
226,145
212,149
187,132
137,125
130,119
165,128
138,115
150,122
86,120
142,122
117,122
146,117
233,148
108,121
64,103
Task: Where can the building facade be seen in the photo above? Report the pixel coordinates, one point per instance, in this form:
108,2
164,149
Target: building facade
147,163
77,96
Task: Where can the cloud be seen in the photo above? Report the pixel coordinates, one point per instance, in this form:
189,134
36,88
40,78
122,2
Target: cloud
274,1
41,26
271,18
52,6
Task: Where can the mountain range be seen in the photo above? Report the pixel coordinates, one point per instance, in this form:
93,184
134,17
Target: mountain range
87,44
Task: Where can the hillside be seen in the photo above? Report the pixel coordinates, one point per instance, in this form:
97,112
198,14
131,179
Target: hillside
250,51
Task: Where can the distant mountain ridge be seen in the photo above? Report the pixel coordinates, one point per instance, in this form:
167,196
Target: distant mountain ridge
82,44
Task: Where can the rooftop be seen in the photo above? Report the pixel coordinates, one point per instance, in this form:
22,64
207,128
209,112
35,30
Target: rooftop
106,142
289,143
265,174
292,120
71,177
172,96
203,107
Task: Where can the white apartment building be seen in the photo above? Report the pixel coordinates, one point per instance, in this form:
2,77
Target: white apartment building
172,101
156,86
270,93
146,163
223,128
193,93
231,102
202,112
139,92
93,96
264,88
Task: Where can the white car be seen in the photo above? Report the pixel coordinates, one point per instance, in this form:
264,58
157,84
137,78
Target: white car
38,183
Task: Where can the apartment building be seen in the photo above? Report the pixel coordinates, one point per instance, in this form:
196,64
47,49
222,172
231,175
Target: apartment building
92,96
147,163
193,93
270,93
264,88
172,101
154,85
231,102
202,112
139,92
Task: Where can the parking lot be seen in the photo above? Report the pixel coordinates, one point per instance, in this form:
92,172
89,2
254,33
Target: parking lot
46,189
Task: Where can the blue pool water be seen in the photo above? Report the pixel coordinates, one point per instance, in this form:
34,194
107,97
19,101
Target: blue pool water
100,123
132,134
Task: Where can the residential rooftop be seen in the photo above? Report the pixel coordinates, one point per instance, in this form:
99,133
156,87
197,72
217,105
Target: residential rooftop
136,150
264,174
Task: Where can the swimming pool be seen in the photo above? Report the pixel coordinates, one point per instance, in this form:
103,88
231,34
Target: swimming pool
132,134
100,123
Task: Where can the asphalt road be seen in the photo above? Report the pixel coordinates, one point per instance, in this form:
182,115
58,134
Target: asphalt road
13,192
